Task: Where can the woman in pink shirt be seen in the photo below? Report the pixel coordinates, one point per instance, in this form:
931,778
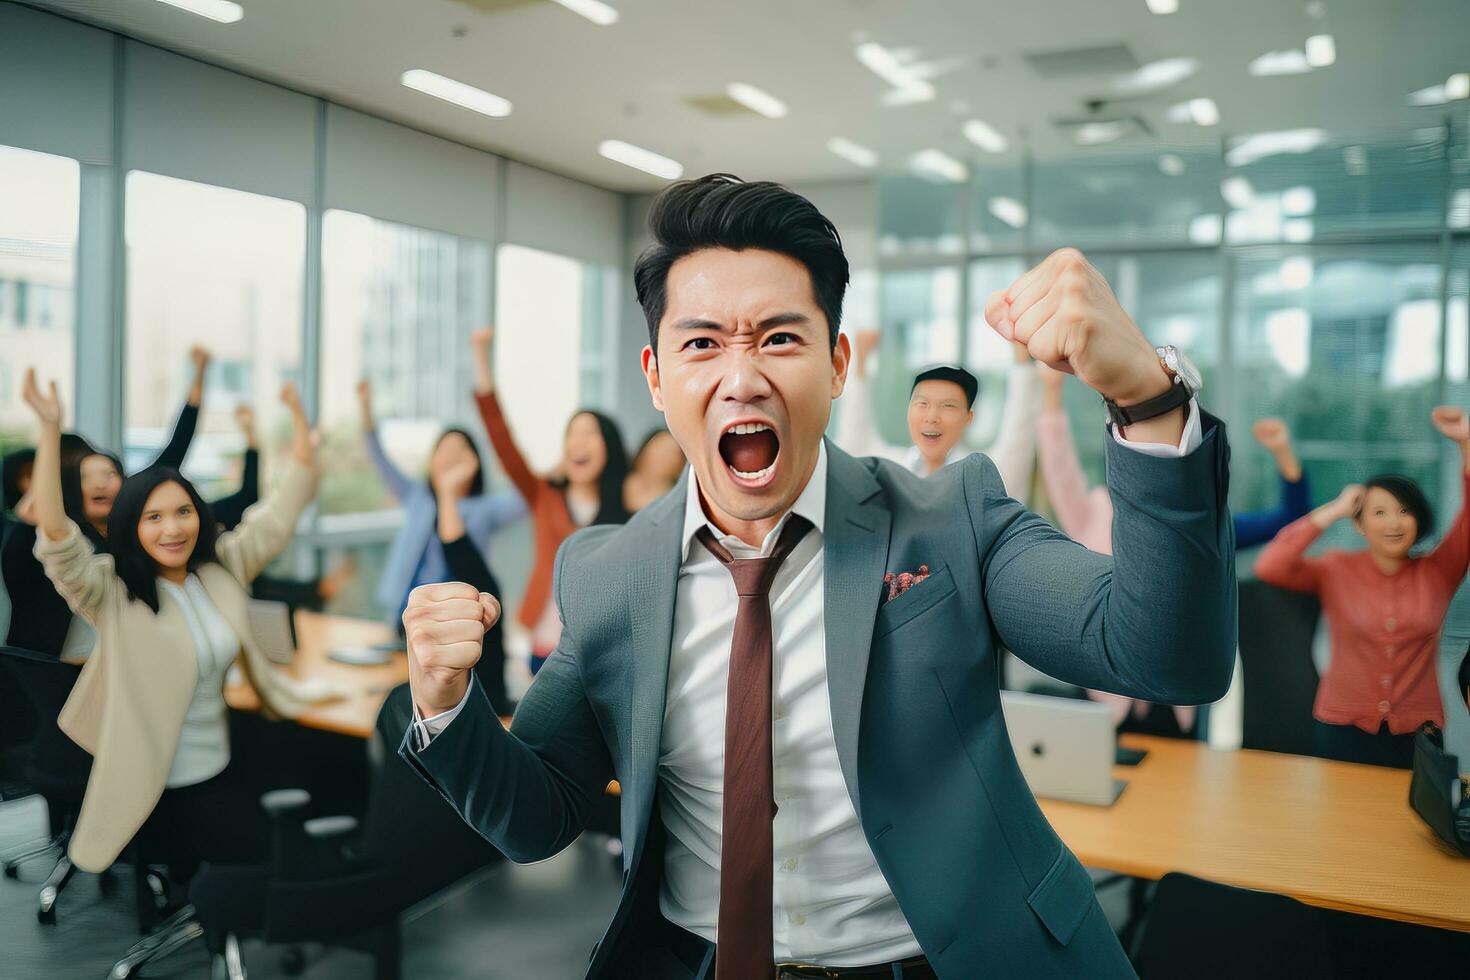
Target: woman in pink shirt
1384,608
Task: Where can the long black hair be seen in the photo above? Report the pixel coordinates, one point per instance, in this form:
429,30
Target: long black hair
75,449
1408,493
477,486
138,571
610,507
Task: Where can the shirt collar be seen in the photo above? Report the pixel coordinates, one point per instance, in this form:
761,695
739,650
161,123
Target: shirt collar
811,504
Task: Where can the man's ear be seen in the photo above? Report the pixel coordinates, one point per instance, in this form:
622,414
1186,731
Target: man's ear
971,417
650,374
841,361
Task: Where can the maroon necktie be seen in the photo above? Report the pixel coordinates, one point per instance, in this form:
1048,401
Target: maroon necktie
745,933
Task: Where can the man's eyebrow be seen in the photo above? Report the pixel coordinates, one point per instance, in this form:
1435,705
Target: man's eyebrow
695,323
784,320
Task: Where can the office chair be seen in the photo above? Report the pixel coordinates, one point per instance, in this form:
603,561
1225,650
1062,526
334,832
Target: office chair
56,769
1279,678
1203,930
332,880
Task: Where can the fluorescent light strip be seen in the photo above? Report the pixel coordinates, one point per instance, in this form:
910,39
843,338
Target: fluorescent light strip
1237,192
222,11
594,10
1009,210
1258,146
1156,75
885,64
1293,62
640,159
756,100
985,136
1163,6
1171,164
1457,86
852,152
938,165
462,95
1097,133
1321,50
1204,112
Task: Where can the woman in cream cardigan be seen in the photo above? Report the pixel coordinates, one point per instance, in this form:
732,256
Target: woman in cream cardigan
169,608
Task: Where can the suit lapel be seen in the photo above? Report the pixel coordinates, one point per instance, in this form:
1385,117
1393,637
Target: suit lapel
855,553
653,582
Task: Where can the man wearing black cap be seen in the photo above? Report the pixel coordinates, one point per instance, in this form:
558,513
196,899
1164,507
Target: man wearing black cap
941,408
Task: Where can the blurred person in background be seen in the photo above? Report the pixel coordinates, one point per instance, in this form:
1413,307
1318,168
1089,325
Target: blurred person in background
1384,605
416,556
941,408
656,468
586,489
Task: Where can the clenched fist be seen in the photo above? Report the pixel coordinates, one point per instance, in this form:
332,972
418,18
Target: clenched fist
1066,316
445,625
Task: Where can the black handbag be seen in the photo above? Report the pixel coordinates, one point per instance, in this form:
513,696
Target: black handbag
1436,774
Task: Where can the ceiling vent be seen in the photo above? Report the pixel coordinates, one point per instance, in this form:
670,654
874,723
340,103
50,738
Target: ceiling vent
1107,59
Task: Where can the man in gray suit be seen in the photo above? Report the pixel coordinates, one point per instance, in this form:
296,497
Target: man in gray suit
789,661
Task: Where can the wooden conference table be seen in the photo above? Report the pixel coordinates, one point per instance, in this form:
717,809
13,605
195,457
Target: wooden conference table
1325,833
1330,834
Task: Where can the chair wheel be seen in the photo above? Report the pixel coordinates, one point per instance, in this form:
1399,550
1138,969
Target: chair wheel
293,962
46,917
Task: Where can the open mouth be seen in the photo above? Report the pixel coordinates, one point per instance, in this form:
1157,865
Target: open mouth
172,546
750,450
931,436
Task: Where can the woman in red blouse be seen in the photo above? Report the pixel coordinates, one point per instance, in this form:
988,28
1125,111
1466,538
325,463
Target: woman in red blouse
1384,608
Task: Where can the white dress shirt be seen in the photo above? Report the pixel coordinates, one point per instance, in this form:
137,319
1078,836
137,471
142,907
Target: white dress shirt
830,902
204,741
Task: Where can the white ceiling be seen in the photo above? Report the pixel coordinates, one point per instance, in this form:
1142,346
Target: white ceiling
574,84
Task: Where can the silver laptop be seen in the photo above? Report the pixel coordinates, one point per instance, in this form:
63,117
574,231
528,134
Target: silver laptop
1065,747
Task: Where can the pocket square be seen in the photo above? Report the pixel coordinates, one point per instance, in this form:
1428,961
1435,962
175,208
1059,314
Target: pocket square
898,583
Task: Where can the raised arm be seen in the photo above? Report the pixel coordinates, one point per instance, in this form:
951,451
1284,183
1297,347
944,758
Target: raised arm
267,528
84,579
398,484
1079,513
493,417
528,791
173,454
1257,527
857,431
1452,555
1284,562
229,510
1157,620
1014,448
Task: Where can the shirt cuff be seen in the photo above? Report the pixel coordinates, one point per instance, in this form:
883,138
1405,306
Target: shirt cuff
425,729
1188,442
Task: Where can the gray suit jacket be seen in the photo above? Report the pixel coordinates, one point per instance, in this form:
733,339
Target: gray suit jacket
987,886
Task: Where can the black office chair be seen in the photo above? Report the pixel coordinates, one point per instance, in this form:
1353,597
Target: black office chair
328,882
56,769
1204,931
1278,676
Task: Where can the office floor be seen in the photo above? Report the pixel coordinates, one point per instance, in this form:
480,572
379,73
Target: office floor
535,921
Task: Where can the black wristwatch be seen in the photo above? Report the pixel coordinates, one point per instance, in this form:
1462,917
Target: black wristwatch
1187,383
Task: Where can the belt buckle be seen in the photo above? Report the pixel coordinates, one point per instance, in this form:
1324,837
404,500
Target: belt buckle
821,971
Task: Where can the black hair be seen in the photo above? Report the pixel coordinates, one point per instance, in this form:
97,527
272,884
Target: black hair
11,468
1410,495
723,211
647,441
138,571
477,485
610,507
955,375
74,450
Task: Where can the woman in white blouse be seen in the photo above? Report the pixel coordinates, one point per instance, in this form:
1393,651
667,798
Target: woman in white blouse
169,607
